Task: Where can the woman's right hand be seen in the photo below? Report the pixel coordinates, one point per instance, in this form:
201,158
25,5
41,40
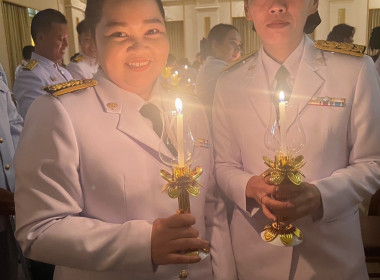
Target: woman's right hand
173,236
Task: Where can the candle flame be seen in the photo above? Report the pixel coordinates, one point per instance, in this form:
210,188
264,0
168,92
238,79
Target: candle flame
282,96
178,105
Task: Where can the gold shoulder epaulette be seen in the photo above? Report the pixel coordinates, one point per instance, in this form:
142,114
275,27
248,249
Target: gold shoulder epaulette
71,86
238,61
78,58
345,48
30,65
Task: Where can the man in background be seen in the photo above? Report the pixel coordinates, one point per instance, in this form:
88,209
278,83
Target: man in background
49,32
26,56
83,65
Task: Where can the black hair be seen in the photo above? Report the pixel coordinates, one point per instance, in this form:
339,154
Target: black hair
82,27
312,22
341,32
217,33
374,40
27,52
94,8
43,20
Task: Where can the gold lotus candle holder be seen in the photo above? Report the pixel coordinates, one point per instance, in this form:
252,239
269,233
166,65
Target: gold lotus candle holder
180,185
177,149
284,167
284,135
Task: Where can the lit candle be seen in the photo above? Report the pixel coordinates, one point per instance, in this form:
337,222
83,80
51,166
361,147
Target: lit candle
282,121
181,155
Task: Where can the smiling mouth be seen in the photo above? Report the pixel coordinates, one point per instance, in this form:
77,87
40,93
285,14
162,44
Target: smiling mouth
138,66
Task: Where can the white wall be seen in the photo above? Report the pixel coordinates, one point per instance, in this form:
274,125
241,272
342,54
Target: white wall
374,4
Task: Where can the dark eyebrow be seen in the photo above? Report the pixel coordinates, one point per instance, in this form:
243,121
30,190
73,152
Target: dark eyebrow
124,24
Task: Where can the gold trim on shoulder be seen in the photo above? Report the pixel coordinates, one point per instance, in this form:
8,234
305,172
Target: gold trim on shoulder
71,86
78,58
30,65
238,61
345,48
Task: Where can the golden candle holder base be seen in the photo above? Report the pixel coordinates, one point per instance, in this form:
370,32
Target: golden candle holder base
281,234
181,183
285,166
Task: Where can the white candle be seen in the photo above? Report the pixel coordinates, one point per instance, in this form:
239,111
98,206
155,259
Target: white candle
282,121
181,155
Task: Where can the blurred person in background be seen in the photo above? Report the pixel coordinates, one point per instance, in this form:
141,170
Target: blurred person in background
26,56
342,33
374,45
221,47
83,65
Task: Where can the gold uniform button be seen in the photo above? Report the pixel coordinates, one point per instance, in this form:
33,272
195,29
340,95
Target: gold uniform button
184,274
1,140
112,105
7,166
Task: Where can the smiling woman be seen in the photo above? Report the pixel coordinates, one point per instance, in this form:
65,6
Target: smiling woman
98,203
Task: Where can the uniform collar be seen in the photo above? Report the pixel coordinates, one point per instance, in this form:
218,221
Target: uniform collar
127,105
291,63
43,60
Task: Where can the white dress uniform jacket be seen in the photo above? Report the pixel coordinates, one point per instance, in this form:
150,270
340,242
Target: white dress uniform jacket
342,152
89,189
10,130
29,83
84,68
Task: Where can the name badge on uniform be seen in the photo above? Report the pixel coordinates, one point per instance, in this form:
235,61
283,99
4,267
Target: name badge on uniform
328,101
200,142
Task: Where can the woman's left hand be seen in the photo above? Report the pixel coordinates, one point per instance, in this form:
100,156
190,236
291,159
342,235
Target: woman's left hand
306,199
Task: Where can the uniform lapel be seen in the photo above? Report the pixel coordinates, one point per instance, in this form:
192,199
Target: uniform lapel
118,101
307,82
257,89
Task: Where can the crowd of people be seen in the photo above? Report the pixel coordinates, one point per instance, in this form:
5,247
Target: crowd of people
80,149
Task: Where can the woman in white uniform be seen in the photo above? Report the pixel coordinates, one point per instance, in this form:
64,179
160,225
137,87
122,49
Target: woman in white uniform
338,97
88,180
